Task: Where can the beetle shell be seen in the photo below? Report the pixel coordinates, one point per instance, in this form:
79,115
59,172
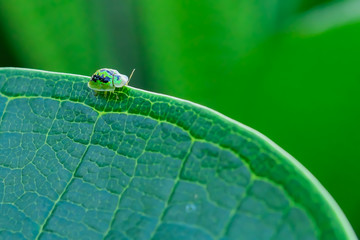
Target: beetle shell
120,80
106,79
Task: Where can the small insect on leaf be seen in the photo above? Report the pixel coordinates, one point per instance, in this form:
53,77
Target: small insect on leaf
107,80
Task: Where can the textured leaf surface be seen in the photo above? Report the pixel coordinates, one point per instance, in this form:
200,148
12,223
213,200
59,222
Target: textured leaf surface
288,82
78,166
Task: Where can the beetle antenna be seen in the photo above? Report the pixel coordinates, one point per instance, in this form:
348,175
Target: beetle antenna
131,76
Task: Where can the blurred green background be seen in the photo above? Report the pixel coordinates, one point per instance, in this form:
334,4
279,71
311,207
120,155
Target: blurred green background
289,69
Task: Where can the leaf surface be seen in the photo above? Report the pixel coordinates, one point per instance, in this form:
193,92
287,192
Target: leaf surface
299,84
144,166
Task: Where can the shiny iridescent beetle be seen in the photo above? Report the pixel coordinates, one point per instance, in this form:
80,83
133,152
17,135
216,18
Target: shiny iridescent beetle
106,80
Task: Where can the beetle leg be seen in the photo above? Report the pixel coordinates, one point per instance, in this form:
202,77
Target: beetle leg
105,93
113,92
95,93
117,97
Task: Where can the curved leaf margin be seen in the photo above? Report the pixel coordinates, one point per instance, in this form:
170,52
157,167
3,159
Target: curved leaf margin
266,160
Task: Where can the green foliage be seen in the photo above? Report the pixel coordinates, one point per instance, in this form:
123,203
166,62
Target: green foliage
68,35
290,74
78,166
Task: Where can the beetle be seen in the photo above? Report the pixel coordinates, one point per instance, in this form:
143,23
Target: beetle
107,80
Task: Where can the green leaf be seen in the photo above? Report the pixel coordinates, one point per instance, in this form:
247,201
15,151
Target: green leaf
78,166
299,86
